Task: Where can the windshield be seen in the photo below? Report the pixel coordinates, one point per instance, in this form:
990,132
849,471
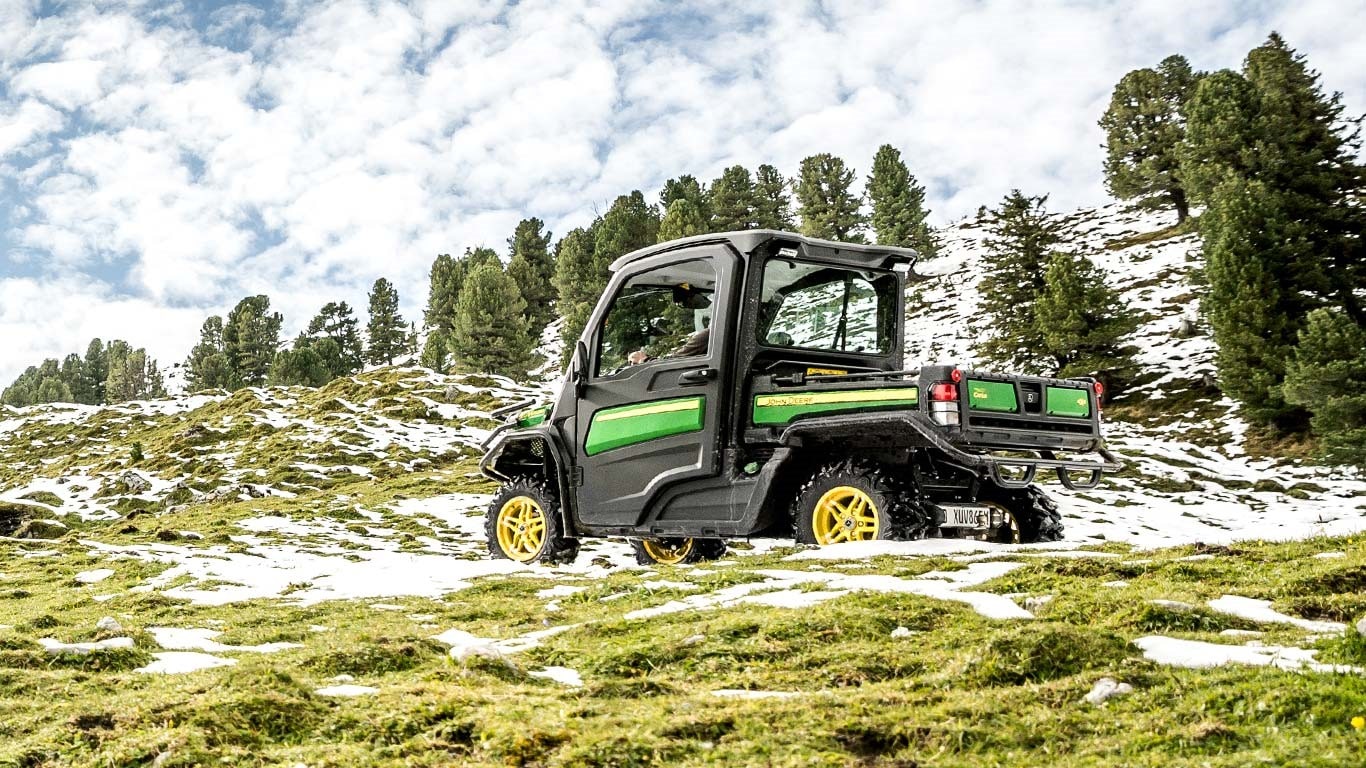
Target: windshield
825,307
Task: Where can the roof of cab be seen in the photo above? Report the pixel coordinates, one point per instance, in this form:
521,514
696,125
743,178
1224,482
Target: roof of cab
746,241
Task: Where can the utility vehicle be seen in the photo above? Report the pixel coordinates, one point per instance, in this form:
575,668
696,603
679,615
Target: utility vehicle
751,384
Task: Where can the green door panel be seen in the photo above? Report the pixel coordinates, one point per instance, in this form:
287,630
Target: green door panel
781,409
1065,401
639,422
992,396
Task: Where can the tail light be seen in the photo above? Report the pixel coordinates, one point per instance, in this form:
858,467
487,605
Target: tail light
944,403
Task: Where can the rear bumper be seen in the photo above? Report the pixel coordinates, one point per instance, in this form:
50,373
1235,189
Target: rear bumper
904,429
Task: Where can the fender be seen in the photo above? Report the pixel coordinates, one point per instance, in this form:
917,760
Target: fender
537,449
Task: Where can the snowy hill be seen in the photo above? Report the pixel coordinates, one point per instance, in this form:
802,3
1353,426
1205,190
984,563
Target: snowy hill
299,576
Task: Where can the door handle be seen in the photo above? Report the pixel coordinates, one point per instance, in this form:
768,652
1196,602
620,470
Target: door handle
701,376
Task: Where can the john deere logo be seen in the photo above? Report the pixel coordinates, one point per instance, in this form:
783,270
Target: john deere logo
1081,401
980,394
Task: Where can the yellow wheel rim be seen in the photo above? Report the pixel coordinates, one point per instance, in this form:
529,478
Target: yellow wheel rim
664,553
521,528
843,514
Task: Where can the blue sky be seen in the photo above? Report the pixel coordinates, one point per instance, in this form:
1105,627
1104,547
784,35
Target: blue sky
158,162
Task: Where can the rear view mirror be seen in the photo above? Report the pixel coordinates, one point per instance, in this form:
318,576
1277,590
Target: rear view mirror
579,368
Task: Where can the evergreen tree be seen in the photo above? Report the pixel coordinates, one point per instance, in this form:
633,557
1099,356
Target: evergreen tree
73,375
133,375
443,293
207,366
577,282
385,331
301,366
1081,322
899,215
490,334
1250,255
96,370
773,207
829,209
686,188
1144,126
533,269
436,352
683,219
732,200
1327,376
1022,241
338,323
251,336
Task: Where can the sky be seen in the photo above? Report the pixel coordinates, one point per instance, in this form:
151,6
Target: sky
160,161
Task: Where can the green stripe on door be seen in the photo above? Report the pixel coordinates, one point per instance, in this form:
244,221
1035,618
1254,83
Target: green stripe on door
1064,401
781,409
992,396
636,423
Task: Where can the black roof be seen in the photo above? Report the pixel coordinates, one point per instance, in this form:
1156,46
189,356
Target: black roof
748,240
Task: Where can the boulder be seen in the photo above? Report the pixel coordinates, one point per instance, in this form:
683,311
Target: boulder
41,529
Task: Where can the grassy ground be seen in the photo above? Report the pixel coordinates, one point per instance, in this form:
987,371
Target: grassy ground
959,690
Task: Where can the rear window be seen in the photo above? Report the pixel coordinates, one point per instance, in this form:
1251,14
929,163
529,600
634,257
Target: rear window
806,305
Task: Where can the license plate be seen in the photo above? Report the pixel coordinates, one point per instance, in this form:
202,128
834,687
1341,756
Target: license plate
965,515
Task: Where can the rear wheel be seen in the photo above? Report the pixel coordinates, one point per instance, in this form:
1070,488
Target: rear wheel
676,550
853,501
523,524
1033,517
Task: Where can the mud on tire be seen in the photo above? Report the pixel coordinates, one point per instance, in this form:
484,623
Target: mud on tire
552,548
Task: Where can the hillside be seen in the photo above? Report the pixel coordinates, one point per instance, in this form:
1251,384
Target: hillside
293,576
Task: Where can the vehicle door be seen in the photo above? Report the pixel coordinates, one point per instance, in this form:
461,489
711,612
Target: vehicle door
652,402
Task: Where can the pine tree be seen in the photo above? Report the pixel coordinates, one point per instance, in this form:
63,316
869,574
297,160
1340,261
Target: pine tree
577,282
338,323
1144,127
1250,253
207,366
1082,322
436,352
829,209
251,336
1022,241
386,330
1327,376
686,187
899,215
301,366
133,375
683,219
773,207
490,334
732,200
443,293
73,375
96,370
533,269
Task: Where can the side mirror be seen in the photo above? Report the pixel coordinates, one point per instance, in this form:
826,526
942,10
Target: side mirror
579,368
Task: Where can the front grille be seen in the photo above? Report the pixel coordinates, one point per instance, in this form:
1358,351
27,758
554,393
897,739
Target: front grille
1083,428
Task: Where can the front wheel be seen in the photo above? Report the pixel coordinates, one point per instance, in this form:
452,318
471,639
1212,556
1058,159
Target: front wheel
851,501
523,524
676,550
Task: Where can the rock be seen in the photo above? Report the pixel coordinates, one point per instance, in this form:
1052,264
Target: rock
1033,604
1186,329
343,679
902,632
41,529
167,535
134,482
1105,689
1361,627
109,624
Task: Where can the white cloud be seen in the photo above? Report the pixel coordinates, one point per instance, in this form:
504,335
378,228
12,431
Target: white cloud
161,172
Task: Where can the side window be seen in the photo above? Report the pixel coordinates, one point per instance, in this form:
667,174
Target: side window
657,315
813,306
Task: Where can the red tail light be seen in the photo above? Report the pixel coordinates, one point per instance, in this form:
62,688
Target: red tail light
956,375
943,392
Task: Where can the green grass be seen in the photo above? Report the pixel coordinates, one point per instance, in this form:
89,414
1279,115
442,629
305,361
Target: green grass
961,690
